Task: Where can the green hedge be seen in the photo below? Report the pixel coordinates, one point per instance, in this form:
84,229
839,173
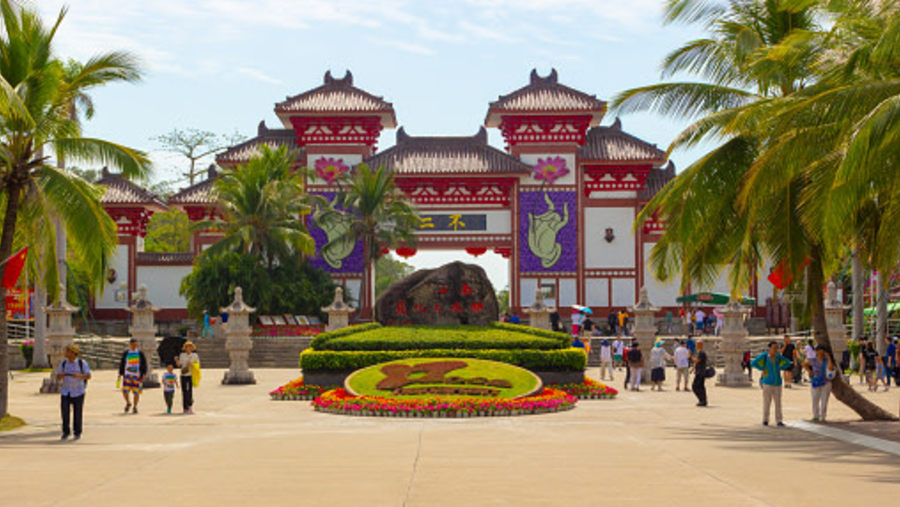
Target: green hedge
543,333
535,360
322,338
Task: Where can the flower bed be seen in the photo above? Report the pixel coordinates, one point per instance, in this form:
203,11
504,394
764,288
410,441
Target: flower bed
590,389
259,330
339,401
297,390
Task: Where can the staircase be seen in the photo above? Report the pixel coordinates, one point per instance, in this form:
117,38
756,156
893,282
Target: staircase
267,352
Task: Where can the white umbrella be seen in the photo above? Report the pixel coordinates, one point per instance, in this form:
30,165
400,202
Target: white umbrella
582,309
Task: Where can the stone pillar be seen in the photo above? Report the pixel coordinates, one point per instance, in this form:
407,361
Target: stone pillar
143,328
237,340
645,328
834,320
338,312
60,334
732,345
539,312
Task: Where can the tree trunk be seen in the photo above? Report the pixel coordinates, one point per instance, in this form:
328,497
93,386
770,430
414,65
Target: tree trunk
858,316
13,191
881,314
39,358
841,390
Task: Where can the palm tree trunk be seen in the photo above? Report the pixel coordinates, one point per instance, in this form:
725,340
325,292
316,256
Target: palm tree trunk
858,305
39,358
13,191
881,314
841,390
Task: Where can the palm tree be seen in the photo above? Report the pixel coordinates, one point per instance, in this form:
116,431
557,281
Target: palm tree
261,203
374,213
34,101
750,198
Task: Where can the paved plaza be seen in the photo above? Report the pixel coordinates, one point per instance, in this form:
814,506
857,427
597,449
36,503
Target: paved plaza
240,448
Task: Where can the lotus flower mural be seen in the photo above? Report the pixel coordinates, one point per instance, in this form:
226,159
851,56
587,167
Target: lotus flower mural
550,169
329,169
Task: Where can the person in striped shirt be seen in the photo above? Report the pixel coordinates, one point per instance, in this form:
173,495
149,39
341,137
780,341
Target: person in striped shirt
132,368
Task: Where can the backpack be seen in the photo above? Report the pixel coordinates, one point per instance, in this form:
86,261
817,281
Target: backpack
80,366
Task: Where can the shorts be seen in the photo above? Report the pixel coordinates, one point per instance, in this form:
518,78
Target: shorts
617,358
132,384
658,375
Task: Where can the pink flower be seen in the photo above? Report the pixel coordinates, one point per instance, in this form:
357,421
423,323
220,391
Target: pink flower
550,169
330,169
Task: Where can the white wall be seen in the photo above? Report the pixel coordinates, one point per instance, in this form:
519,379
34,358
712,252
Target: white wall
526,293
354,287
162,284
623,293
620,252
597,290
567,292
119,262
660,293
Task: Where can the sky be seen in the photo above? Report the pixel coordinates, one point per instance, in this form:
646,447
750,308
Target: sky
221,65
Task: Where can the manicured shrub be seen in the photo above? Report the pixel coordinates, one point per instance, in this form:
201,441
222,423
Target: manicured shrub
323,338
501,336
530,359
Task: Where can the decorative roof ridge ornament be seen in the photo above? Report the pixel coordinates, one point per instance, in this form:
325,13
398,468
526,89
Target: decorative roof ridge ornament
481,136
261,129
551,78
402,136
617,125
347,80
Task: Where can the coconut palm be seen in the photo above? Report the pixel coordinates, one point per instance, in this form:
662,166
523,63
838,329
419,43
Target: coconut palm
752,197
374,213
261,204
34,101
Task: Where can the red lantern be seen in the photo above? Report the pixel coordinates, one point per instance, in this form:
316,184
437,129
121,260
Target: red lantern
406,252
476,250
383,251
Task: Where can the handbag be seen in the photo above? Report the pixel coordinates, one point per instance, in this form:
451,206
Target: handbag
710,372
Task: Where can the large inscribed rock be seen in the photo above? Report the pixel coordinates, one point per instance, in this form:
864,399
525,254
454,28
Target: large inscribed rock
452,294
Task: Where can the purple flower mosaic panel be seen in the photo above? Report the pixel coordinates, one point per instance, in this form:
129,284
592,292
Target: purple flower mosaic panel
346,258
548,231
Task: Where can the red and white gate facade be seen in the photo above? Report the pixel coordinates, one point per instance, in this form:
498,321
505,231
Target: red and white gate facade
559,202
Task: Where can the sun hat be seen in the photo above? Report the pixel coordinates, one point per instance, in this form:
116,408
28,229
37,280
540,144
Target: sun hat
75,349
188,344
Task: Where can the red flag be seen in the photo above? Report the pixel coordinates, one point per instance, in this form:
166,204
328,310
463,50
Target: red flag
13,268
781,275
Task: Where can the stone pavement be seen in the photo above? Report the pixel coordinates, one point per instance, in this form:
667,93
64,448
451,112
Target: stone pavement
240,448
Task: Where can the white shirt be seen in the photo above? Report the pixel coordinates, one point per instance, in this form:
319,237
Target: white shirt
657,357
682,356
620,346
606,352
810,352
699,316
185,361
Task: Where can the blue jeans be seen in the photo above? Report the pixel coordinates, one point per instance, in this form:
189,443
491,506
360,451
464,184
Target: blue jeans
77,404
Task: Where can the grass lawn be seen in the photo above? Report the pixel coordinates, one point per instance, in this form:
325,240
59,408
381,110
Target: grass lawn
523,381
9,422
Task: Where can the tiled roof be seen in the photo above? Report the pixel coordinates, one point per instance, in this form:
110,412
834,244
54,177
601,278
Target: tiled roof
656,180
180,258
612,144
121,191
437,155
240,153
198,193
335,96
546,94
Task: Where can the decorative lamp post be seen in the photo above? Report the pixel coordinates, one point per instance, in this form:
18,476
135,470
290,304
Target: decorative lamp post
60,334
539,312
237,340
338,311
143,329
733,344
834,320
644,325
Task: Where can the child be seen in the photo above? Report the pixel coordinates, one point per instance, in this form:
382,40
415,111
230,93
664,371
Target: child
169,382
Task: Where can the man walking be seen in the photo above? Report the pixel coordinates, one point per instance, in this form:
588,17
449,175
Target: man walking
771,364
132,368
636,364
606,360
699,384
700,319
821,372
682,365
788,352
74,373
618,353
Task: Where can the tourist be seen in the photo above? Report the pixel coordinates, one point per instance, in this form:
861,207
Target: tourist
554,321
890,360
169,383
870,360
788,352
861,359
635,361
821,370
505,317
74,374
691,345
514,319
206,328
658,357
132,368
720,321
881,373
809,351
699,384
745,365
587,326
618,353
577,320
682,365
612,321
622,321
798,360
576,342
606,360
186,361
700,319
772,363
668,323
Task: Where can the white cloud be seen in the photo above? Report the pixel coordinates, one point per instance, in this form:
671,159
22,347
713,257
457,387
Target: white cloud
259,75
408,47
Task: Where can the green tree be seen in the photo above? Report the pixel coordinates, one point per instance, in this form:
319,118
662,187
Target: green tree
747,199
389,270
503,299
375,213
292,287
262,202
168,232
35,99
195,144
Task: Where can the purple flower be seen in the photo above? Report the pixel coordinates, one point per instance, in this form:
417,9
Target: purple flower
550,169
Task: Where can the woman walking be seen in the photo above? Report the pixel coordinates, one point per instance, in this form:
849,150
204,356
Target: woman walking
186,362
